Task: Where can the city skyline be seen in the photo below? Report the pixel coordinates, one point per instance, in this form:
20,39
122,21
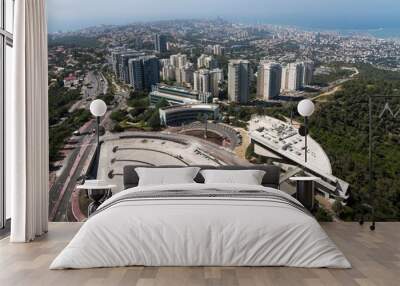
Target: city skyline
64,15
170,76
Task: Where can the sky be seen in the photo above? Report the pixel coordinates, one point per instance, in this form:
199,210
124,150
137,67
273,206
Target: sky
69,15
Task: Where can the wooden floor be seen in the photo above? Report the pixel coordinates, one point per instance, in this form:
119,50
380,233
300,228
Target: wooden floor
375,257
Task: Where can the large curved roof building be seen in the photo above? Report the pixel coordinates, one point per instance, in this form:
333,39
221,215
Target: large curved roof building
280,140
177,95
177,115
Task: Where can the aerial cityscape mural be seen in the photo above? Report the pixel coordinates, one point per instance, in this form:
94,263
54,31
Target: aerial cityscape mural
224,89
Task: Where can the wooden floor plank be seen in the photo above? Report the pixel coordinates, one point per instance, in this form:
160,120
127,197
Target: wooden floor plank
375,257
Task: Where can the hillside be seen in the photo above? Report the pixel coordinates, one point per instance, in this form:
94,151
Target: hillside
341,126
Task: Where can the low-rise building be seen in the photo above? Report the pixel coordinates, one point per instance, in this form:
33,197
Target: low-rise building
71,82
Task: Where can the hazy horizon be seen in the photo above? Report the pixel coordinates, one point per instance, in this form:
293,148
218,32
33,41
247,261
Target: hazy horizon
67,15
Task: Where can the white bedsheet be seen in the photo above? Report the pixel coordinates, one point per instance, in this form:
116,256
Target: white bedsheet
200,232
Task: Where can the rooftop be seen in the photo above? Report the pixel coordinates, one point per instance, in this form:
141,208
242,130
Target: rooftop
284,139
184,99
163,87
148,150
240,61
211,107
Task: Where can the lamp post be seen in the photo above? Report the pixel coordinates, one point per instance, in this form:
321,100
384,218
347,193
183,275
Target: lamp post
205,118
98,108
306,109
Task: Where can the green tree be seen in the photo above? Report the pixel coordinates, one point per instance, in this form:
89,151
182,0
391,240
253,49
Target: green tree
154,121
118,115
250,151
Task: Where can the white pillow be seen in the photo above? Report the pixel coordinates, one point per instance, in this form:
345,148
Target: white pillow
166,176
242,177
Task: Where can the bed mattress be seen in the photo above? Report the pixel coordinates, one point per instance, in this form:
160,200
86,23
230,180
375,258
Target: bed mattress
201,225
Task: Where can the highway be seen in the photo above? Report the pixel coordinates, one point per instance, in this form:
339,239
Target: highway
93,86
61,190
76,160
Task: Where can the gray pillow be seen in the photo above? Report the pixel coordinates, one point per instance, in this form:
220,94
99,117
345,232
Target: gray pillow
166,176
243,177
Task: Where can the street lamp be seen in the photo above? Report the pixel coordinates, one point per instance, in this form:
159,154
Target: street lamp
205,118
98,108
306,109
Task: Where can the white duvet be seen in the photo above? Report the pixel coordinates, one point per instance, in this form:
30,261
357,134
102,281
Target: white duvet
200,232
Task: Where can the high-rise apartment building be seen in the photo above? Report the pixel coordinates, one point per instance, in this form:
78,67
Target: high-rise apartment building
160,43
173,60
136,74
201,61
187,73
178,60
208,81
151,69
296,76
183,69
269,80
184,75
115,61
120,59
144,72
208,62
239,81
216,78
164,62
292,77
308,72
170,46
285,79
168,73
201,80
218,50
182,61
196,81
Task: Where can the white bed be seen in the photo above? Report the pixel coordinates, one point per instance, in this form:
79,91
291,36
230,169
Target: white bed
138,227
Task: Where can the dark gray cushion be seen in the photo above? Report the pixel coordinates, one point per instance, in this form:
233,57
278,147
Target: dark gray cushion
131,178
271,177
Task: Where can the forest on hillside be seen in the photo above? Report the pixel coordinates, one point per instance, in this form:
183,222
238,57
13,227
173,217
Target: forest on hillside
341,127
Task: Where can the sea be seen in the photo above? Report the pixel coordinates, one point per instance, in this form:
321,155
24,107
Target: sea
373,28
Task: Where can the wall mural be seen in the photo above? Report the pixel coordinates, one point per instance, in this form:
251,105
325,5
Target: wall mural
206,92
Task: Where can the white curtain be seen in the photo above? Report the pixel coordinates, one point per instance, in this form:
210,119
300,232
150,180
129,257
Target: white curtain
27,124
